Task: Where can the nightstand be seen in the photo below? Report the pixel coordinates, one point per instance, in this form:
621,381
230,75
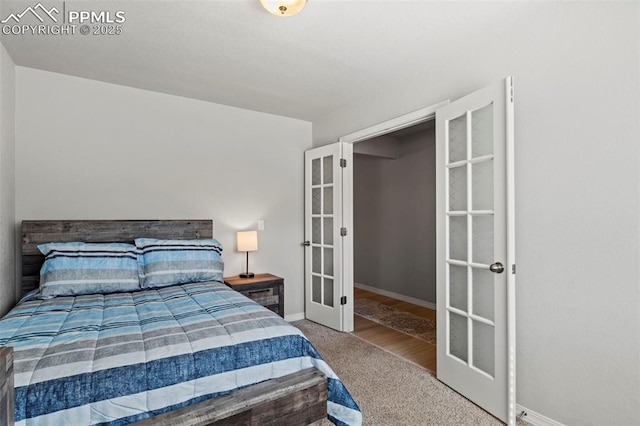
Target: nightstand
265,289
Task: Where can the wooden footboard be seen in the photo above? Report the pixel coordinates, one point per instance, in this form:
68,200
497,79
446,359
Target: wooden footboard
293,400
7,398
296,399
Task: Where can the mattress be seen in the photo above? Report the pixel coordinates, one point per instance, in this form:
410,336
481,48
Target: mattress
118,358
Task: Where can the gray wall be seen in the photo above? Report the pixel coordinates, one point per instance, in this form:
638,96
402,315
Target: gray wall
577,102
102,151
394,219
7,182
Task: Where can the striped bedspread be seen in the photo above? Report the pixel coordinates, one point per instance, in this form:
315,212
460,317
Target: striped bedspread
118,358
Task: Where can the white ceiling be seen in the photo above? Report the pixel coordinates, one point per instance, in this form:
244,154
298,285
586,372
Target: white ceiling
235,53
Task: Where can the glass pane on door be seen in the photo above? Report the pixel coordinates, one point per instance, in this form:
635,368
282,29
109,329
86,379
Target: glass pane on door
458,336
316,201
483,239
458,237
482,131
316,260
327,200
316,231
482,175
328,262
327,169
458,139
316,295
315,172
458,188
328,231
458,287
328,291
483,347
483,293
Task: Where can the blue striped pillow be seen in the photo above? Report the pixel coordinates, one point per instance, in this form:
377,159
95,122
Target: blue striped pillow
87,268
167,262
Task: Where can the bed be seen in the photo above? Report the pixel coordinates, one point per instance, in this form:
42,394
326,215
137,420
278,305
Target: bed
186,353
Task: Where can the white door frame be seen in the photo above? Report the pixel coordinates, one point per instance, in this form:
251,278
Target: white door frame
407,120
397,123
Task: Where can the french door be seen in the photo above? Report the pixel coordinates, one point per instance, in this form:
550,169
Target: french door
476,249
327,300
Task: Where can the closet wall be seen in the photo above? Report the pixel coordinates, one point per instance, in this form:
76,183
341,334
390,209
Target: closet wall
394,218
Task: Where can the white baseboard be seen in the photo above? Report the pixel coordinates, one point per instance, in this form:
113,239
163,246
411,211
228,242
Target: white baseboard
295,317
536,419
393,295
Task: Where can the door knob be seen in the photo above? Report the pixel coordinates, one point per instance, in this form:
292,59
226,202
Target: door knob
497,268
306,243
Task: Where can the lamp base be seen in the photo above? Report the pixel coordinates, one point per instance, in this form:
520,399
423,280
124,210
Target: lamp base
247,275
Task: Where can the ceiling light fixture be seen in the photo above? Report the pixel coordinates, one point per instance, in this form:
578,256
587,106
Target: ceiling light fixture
283,7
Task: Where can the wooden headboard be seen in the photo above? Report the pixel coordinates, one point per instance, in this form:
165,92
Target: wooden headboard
36,232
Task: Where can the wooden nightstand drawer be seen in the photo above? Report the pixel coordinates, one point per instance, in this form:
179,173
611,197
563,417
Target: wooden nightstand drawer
265,297
265,289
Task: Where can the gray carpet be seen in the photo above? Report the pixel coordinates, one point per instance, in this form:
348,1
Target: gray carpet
388,389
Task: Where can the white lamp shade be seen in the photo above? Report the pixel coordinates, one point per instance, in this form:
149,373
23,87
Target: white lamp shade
247,240
283,7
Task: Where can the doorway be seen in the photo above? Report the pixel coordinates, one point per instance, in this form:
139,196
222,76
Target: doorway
475,254
394,199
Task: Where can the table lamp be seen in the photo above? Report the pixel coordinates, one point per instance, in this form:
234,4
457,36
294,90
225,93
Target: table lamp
247,241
